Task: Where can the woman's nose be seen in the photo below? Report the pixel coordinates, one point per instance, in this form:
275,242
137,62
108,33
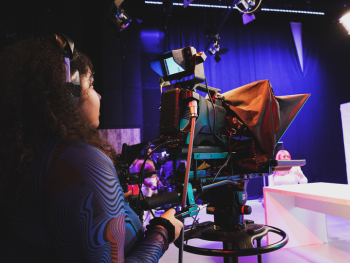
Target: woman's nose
99,96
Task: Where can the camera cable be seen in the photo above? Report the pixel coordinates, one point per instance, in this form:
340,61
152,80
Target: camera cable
141,174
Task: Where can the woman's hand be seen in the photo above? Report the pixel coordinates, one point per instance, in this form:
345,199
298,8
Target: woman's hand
177,223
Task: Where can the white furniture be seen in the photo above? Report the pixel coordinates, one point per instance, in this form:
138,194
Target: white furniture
345,119
300,210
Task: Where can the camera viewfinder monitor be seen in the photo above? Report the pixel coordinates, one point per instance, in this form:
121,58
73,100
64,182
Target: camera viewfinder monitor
175,64
172,67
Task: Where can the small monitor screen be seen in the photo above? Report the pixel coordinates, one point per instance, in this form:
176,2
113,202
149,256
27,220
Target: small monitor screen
172,67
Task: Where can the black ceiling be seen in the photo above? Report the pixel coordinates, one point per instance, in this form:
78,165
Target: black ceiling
32,17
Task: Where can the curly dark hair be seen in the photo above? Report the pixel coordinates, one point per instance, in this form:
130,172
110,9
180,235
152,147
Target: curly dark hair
35,106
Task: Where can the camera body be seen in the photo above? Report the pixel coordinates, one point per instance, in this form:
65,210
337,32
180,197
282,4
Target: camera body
175,117
175,113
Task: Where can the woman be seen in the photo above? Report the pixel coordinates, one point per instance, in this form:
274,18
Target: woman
293,176
60,196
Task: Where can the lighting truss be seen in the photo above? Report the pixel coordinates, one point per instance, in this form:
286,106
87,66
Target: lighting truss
228,7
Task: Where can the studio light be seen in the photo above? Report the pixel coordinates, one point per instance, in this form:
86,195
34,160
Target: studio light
248,4
214,48
248,10
119,18
247,18
345,21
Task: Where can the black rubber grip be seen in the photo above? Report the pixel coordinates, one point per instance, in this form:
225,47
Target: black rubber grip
160,200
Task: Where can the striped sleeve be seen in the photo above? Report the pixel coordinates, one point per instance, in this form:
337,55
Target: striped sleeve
87,210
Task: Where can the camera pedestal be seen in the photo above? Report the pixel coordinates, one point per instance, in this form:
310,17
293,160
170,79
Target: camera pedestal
236,243
227,204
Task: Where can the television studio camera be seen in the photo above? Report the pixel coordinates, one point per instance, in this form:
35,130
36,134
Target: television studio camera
226,139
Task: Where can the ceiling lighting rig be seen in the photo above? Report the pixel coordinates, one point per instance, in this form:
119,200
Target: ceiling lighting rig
120,20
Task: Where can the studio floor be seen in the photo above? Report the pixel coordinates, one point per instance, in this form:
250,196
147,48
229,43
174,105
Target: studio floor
337,249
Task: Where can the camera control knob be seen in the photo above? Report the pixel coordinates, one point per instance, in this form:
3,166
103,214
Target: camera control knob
246,210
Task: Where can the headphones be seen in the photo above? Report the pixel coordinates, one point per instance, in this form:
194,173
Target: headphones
66,46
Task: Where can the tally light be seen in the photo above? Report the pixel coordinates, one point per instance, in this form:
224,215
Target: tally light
345,20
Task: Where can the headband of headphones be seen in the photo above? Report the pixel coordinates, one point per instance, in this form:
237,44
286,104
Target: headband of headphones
66,46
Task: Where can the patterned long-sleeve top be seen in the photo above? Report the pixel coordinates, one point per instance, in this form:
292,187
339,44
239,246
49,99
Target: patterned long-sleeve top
78,214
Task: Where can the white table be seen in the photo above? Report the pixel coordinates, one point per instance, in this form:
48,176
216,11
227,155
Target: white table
300,210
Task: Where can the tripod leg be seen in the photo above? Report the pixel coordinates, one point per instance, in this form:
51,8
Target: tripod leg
228,246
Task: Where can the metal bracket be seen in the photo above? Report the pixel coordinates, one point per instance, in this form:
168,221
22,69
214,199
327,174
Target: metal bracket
192,205
210,155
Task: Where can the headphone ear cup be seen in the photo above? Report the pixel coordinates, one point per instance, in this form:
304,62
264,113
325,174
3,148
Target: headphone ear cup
75,89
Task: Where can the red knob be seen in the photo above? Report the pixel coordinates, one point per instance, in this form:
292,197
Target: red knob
246,210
